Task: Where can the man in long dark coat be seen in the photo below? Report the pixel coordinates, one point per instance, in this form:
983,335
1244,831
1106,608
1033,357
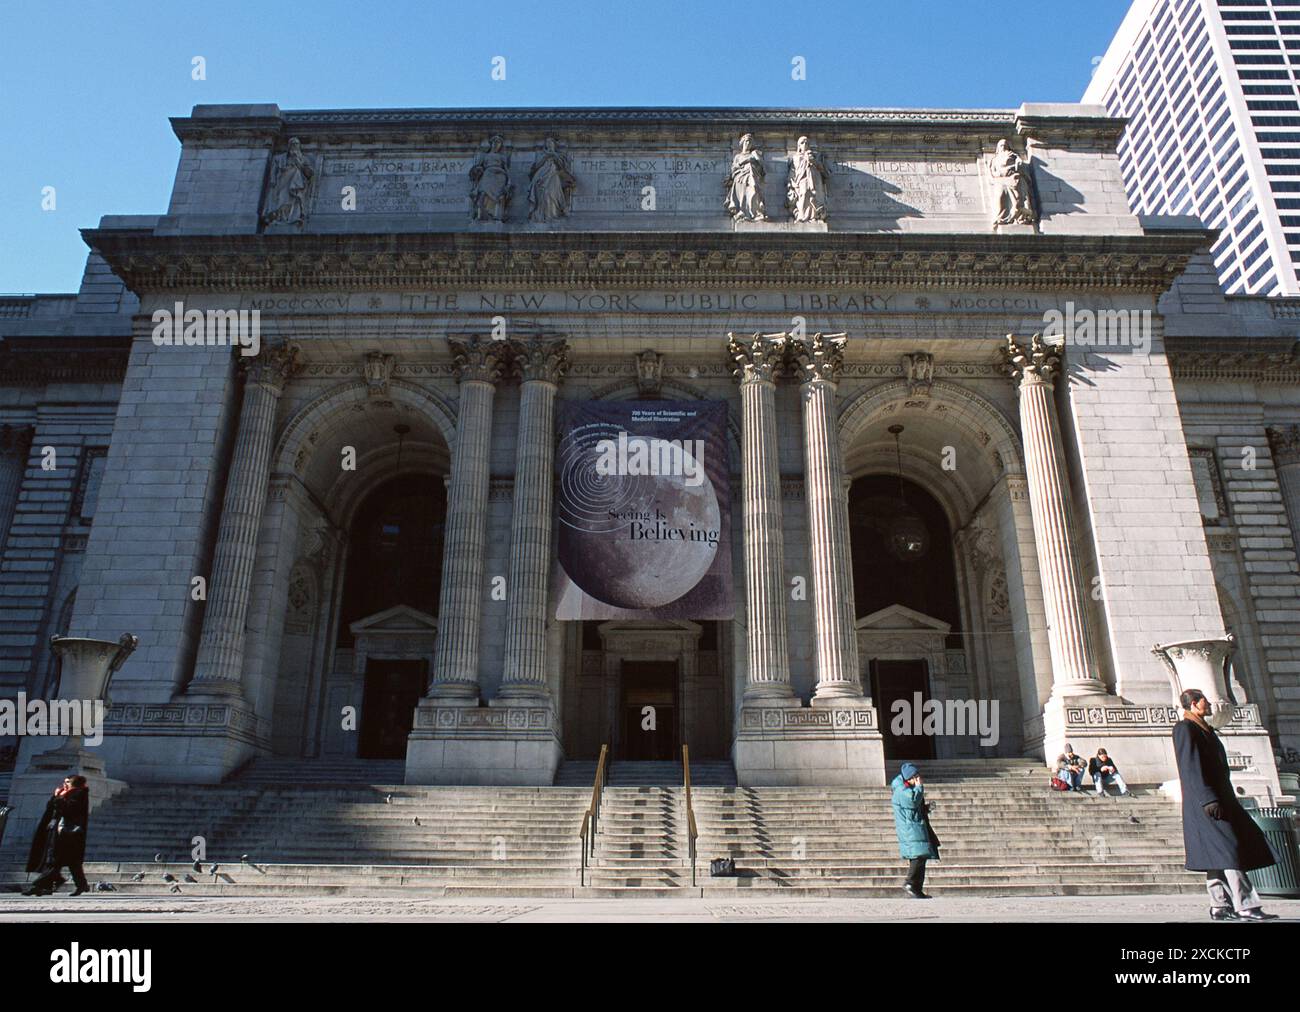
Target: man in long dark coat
1220,838
60,839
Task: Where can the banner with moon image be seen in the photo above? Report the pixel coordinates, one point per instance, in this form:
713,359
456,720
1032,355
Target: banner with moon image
644,508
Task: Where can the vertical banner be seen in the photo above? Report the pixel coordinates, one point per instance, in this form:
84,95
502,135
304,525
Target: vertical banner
644,508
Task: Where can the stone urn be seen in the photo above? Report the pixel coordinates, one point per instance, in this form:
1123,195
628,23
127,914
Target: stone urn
1201,664
87,667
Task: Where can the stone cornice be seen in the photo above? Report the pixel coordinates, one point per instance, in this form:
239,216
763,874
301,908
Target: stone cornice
150,263
63,365
1254,361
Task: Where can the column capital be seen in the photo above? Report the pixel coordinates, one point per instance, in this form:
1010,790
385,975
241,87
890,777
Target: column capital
819,358
541,359
1284,440
756,358
273,366
479,360
1039,362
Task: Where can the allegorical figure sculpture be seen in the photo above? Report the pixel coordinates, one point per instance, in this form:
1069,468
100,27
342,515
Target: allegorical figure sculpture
744,184
286,199
808,184
490,186
550,184
1013,188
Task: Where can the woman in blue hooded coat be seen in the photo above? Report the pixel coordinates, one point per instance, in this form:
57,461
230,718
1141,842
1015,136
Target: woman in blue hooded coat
917,842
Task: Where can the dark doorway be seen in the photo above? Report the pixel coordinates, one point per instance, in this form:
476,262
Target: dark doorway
894,680
649,683
393,688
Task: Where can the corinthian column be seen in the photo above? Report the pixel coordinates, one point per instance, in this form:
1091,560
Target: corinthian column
1035,369
756,362
460,604
1285,442
219,667
819,359
540,365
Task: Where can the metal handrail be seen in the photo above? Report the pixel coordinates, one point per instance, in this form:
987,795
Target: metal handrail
692,831
591,817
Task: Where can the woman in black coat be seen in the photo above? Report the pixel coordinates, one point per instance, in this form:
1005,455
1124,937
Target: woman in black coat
1220,838
60,839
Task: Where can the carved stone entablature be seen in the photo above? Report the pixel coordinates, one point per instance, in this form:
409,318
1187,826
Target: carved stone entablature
649,372
919,368
1143,718
91,365
1255,367
1038,362
1284,440
479,360
278,262
379,370
818,358
487,722
807,720
185,720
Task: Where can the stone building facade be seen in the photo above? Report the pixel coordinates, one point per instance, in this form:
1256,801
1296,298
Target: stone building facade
343,545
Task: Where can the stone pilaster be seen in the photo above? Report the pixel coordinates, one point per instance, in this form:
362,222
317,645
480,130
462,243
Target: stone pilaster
757,360
1285,443
219,667
479,366
1074,671
539,364
819,360
15,442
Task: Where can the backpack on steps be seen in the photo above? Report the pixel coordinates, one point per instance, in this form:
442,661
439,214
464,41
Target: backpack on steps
722,867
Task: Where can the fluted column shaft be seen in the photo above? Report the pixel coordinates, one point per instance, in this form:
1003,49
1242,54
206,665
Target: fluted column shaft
540,365
1073,666
218,669
460,602
819,360
756,361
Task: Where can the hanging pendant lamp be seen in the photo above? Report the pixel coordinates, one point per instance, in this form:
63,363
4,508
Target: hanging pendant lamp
909,539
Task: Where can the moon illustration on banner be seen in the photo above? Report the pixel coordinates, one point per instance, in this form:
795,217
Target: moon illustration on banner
600,512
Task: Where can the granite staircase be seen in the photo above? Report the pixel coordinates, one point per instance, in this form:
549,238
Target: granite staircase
282,829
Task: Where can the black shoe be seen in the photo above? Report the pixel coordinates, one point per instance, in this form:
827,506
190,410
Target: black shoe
79,891
1256,914
913,894
1222,914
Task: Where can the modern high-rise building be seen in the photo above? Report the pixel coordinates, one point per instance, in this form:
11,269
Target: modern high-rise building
1209,89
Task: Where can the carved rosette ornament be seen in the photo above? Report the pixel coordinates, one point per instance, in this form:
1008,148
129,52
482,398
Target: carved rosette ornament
479,361
649,372
1039,363
819,358
539,358
757,358
378,369
274,366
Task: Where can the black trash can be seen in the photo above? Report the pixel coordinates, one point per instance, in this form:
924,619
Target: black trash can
1283,878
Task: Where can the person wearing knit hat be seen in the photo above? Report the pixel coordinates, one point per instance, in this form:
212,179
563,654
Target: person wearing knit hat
917,842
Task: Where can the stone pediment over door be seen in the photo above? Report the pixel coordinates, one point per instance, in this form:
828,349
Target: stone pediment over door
397,633
899,618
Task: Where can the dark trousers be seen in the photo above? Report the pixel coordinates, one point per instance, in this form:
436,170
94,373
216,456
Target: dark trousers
916,873
47,879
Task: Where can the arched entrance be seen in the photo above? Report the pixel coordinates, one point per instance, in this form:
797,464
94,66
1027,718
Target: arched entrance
358,532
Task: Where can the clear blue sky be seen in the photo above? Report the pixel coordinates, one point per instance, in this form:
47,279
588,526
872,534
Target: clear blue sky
86,86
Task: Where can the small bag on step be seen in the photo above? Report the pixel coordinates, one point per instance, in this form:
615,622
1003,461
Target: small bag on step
722,867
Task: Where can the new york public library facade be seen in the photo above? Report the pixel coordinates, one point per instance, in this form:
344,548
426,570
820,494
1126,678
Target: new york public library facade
446,297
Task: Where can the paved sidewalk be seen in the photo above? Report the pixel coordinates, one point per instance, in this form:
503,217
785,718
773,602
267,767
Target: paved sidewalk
1149,909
